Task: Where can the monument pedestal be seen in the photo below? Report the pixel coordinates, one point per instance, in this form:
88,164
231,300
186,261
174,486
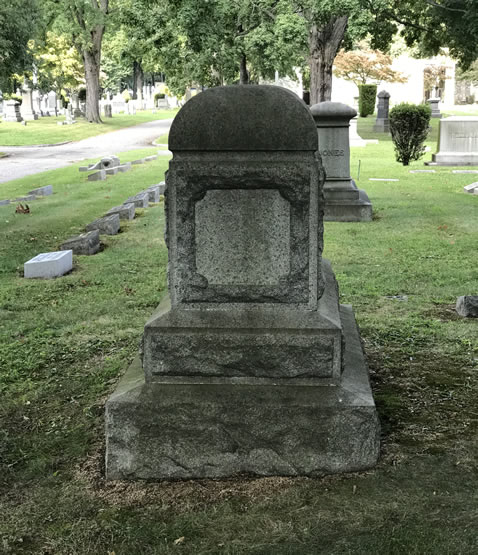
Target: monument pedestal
224,394
457,142
347,204
249,365
215,430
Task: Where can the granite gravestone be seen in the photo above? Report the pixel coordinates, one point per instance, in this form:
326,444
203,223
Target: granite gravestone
344,202
382,123
457,142
249,365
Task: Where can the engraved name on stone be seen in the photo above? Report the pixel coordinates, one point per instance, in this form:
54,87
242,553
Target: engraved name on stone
336,152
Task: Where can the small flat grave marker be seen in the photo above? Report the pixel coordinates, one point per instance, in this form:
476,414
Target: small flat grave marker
49,264
471,188
422,171
382,179
464,171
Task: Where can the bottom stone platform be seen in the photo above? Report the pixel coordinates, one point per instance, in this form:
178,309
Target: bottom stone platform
157,431
348,210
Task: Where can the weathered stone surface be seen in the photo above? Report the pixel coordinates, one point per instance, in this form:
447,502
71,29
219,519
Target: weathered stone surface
85,243
139,161
125,211
244,361
246,343
151,158
344,202
141,200
49,265
108,111
4,202
286,128
112,171
42,191
26,198
205,430
99,175
457,142
109,225
153,193
467,306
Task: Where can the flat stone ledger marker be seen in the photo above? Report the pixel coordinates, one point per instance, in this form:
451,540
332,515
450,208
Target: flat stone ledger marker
457,142
344,202
249,365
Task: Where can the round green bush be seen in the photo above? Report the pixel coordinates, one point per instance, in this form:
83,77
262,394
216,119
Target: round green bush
409,125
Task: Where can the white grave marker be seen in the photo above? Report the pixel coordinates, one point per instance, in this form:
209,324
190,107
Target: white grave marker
49,264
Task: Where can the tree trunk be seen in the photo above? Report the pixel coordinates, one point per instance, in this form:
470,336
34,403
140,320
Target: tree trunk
324,44
135,80
92,58
243,73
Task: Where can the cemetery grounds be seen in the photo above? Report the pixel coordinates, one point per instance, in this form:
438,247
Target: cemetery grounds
65,343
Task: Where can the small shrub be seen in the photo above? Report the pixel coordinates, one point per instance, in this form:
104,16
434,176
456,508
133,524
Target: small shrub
367,95
125,94
409,125
12,96
159,96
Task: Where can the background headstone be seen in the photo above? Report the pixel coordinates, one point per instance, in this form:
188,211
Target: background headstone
12,111
467,306
457,142
435,106
27,110
382,123
344,202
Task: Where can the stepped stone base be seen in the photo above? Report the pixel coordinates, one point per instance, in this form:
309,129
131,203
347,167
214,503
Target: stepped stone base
160,430
347,210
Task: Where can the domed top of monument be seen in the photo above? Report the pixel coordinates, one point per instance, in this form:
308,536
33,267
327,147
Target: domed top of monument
244,118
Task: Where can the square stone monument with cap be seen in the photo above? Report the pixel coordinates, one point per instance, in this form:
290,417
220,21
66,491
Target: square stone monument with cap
382,123
344,202
249,365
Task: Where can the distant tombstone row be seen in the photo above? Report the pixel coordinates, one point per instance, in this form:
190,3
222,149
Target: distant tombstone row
382,123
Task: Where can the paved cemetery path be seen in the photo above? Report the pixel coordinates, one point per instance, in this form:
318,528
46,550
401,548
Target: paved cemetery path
22,160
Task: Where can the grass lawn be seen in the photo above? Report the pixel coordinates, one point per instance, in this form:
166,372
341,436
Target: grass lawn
67,341
46,131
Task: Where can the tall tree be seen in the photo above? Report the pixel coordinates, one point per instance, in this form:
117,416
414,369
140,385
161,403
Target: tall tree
18,19
84,21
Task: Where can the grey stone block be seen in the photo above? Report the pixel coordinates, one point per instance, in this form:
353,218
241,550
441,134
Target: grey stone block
151,158
349,210
108,225
140,161
124,167
4,202
49,265
85,243
26,198
125,211
153,193
112,171
467,306
246,344
182,431
99,175
42,191
141,200
84,169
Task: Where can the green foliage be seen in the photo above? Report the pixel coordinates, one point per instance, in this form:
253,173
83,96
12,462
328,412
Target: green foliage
18,22
409,125
12,96
159,96
367,95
